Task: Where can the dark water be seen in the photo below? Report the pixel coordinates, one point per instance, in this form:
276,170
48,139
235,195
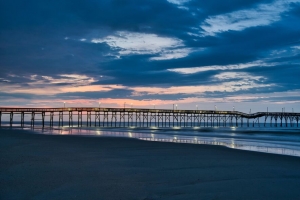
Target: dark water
276,140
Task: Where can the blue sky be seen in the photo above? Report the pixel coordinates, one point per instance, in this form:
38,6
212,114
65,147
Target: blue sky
151,52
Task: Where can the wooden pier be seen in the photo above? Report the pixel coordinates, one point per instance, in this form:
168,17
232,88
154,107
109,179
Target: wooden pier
128,117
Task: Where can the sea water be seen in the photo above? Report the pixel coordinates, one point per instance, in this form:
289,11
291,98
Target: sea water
261,138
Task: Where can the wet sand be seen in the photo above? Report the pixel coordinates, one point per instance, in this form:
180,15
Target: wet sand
34,166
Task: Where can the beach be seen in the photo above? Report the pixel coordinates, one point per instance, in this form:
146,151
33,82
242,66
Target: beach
37,166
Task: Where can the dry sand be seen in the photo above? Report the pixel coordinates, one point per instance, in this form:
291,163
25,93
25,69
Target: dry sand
75,167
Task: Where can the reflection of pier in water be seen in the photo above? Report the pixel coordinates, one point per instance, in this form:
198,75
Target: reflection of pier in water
126,117
252,145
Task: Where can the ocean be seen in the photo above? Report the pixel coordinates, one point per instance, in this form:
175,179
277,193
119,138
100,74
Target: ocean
261,138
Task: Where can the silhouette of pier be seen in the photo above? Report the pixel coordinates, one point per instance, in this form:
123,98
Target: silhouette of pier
138,117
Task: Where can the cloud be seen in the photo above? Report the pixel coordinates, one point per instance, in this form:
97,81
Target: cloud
222,82
72,79
192,70
291,96
173,54
132,43
262,15
50,90
48,85
296,47
178,2
4,80
245,78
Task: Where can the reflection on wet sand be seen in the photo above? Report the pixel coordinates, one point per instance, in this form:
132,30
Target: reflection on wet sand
249,145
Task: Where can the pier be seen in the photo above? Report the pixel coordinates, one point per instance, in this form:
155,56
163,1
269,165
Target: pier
138,117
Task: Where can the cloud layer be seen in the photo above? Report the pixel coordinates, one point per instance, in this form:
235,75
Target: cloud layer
149,52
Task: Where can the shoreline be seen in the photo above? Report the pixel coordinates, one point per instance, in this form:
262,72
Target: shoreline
68,167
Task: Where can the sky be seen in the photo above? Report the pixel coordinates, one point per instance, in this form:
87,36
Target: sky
197,54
